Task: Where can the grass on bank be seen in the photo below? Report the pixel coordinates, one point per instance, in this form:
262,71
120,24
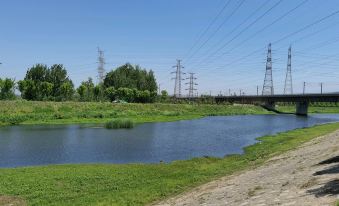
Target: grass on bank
119,124
140,184
31,112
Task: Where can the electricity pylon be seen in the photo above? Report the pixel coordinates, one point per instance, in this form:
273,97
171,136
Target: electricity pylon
191,84
178,78
268,82
288,89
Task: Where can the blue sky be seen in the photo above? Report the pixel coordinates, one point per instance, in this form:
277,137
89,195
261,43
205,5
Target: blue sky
154,33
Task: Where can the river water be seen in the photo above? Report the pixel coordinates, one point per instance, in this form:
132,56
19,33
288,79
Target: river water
146,143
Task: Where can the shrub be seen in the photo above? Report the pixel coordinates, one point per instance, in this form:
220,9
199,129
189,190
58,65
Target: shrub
119,124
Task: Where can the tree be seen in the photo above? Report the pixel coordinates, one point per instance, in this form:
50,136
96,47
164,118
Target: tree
110,93
57,75
42,83
86,90
7,89
66,91
164,96
99,91
133,77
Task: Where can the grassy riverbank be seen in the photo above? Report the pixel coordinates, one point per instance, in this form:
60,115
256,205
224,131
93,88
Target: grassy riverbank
30,112
139,184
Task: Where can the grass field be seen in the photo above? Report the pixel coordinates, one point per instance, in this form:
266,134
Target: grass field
139,184
30,112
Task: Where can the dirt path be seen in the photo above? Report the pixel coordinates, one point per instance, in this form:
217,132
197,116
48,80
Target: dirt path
294,178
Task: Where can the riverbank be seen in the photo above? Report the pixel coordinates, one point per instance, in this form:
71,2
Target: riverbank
139,184
305,176
30,112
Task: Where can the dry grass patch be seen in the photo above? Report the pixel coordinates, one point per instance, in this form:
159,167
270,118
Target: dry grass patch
11,201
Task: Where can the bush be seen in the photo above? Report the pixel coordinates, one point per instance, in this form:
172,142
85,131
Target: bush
15,119
119,124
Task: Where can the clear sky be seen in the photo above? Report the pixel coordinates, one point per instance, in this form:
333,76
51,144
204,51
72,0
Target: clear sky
154,33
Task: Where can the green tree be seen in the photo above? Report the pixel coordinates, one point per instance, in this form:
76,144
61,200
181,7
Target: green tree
42,83
164,96
99,92
133,77
66,91
7,87
86,90
110,93
57,75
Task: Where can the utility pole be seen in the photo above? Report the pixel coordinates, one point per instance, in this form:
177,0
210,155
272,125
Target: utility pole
101,64
178,79
257,90
240,92
229,92
304,88
159,90
268,81
191,84
288,89
321,88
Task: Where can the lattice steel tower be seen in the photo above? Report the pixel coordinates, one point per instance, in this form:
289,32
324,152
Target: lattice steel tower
268,82
288,89
178,78
101,64
191,85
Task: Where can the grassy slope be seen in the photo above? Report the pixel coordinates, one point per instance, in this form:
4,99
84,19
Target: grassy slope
312,109
139,184
14,112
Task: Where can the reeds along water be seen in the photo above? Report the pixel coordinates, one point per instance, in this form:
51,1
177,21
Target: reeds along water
120,124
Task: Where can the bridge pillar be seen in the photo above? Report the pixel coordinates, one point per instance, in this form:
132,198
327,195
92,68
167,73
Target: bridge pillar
301,108
270,106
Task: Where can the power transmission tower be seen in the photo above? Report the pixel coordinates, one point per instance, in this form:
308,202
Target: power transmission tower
178,78
101,64
288,89
191,84
268,82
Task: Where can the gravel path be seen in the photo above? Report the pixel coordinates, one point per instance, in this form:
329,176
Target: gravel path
293,178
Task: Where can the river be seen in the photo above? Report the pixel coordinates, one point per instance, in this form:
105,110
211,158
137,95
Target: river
146,143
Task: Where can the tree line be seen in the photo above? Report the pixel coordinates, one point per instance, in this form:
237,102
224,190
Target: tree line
42,83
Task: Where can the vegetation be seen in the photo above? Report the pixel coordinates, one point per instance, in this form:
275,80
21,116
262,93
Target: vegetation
7,89
132,77
43,83
36,112
119,124
140,184
313,108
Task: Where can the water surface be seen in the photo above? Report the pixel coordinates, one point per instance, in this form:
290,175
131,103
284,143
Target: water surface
146,143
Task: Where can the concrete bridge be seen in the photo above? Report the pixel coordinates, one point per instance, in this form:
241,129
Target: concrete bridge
302,101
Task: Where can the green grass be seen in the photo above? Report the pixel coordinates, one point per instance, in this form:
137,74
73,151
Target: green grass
326,108
119,124
140,184
30,112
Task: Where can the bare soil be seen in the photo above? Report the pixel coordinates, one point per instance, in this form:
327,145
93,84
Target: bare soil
11,201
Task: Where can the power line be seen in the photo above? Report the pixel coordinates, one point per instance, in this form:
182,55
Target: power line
245,29
257,32
216,31
287,36
239,25
209,26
